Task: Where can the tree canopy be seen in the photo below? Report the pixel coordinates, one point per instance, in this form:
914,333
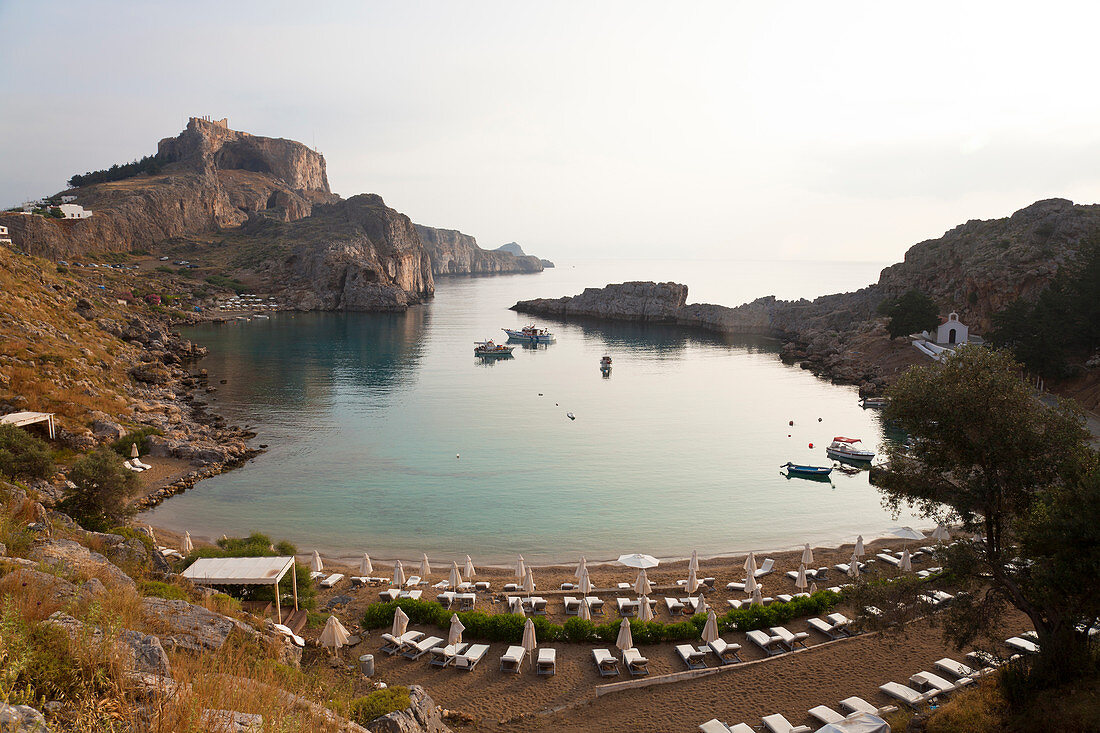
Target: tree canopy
1020,477
911,313
23,455
103,490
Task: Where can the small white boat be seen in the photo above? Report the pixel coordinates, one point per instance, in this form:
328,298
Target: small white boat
530,334
605,363
489,348
844,449
571,416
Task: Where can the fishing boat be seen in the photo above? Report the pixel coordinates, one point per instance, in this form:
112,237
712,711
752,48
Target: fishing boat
795,469
530,334
605,363
874,402
489,348
844,449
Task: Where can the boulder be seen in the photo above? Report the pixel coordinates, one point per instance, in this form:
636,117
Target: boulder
79,560
422,716
107,430
141,652
49,588
21,719
197,629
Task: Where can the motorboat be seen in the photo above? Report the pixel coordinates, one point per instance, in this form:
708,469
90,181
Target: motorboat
844,449
878,402
489,348
530,334
808,471
605,363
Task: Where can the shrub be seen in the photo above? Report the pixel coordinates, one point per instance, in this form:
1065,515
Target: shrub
579,629
165,268
62,270
223,281
103,489
910,313
224,604
22,454
132,534
157,589
140,437
378,703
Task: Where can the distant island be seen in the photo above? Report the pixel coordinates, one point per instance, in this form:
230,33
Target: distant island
514,249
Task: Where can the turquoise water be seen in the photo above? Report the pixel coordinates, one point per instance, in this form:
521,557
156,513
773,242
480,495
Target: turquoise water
678,449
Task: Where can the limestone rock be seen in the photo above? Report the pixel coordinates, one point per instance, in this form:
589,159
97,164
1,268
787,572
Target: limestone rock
142,652
629,301
195,628
422,716
77,559
455,253
49,588
21,719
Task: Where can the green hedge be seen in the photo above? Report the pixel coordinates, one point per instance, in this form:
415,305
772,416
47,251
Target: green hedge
378,703
508,627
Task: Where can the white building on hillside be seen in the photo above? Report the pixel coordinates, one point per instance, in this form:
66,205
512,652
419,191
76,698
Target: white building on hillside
4,238
68,199
952,331
74,211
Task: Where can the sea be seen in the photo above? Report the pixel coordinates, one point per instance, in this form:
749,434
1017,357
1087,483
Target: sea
386,435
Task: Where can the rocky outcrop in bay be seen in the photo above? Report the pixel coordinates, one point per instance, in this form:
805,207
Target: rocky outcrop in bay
455,253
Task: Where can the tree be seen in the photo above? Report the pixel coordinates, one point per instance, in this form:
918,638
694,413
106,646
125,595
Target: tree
23,455
103,490
911,313
989,456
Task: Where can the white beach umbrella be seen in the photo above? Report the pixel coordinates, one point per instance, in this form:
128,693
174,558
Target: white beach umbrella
800,581
807,555
521,568
334,635
813,588
425,567
710,629
693,581
456,576
586,583
645,611
133,450
751,585
584,612
859,547
638,560
315,563
853,567
400,622
624,640
188,548
907,533
366,567
940,533
454,636
757,600
750,564
398,575
642,585
529,642
529,582
582,568
906,561
694,564
470,573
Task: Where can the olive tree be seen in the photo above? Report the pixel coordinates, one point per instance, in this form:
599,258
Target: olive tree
1017,476
103,490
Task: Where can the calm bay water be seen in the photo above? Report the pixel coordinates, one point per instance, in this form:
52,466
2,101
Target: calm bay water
677,450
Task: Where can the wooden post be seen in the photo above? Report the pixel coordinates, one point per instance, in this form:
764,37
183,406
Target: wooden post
294,580
278,608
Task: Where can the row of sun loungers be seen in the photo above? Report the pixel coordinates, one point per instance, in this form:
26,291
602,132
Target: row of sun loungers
573,605
695,658
392,594
607,665
136,466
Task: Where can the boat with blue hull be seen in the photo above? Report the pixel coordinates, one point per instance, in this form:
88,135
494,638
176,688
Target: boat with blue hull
818,472
530,334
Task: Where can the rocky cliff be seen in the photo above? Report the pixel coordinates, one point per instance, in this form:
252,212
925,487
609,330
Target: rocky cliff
515,249
455,253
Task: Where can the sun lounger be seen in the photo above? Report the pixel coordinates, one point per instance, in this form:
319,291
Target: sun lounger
635,663
692,657
986,659
1022,645
605,663
735,586
623,586
958,669
858,705
675,607
1030,636
572,605
789,638
511,587
139,464
444,655
931,682
466,601
907,695
482,586
466,587
778,724
843,567
824,627
715,725
942,596
890,559
627,607
441,585
472,656
413,594
692,605
394,644
332,580
132,467
547,661
390,594
768,643
413,581
567,586
734,603
595,605
727,653
446,598
511,660
538,606
422,647
784,598
825,714
314,575
765,568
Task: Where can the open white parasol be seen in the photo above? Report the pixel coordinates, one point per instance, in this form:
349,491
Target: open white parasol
638,560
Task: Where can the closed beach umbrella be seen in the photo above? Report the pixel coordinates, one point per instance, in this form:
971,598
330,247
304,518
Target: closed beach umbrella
859,547
400,622
315,563
454,636
710,629
757,600
694,564
750,564
813,588
365,565
584,612
853,567
586,583
624,641
529,643
456,576
398,575
693,581
642,586
469,568
133,450
187,546
645,612
807,555
529,582
521,568
425,567
800,581
638,560
334,635
751,586
906,561
940,533
582,568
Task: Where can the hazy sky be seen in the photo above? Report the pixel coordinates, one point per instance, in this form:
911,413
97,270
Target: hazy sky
727,130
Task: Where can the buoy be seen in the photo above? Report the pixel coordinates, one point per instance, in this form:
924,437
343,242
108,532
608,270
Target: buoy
788,435
457,456
819,419
540,394
791,423
811,445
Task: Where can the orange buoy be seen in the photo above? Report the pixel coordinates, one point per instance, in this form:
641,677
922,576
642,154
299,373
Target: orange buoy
811,445
791,422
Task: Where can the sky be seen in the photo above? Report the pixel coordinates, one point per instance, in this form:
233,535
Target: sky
728,130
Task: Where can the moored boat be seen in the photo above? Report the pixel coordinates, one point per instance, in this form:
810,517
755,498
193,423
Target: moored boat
874,402
844,449
795,469
530,334
489,348
605,363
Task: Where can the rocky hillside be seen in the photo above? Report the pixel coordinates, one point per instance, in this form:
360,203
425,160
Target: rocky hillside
455,253
515,249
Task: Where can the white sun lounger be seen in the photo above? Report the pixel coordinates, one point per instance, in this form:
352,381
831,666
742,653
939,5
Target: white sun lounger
466,601
768,643
958,669
572,605
422,647
139,464
789,638
511,660
472,656
413,594
627,606
444,655
715,725
735,586
606,664
825,714
778,724
133,468
394,644
1022,645
567,586
734,603
511,587
595,604
623,586
547,661
692,605
931,682
765,568
446,598
727,653
413,581
332,580
907,695
465,587
635,663
857,705
692,657
890,559
675,607
826,628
